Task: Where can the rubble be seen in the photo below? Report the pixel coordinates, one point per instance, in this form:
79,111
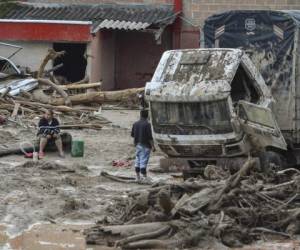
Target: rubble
239,209
77,105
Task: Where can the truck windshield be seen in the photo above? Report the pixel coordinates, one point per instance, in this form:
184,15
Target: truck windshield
188,118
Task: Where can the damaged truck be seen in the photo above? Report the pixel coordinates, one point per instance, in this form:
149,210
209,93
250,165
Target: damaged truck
239,96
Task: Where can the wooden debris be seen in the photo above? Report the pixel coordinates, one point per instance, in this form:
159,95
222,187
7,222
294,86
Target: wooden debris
15,111
236,211
66,99
101,97
26,108
81,86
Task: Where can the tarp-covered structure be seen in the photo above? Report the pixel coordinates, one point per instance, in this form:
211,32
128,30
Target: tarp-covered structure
271,38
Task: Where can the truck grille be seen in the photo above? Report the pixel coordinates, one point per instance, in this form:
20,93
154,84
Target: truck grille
193,151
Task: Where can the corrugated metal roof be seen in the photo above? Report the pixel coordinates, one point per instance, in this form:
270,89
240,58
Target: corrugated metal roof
127,25
103,16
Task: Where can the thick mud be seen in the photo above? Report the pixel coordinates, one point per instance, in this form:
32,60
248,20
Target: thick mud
47,205
58,191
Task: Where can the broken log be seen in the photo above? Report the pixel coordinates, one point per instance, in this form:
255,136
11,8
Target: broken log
101,97
138,237
59,89
15,111
81,86
52,54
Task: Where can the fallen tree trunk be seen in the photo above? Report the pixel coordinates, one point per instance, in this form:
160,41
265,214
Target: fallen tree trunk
101,97
52,54
81,86
65,97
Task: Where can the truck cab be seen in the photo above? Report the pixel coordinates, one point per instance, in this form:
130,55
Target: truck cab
211,104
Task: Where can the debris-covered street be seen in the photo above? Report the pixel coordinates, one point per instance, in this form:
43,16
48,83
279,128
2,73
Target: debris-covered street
55,203
58,191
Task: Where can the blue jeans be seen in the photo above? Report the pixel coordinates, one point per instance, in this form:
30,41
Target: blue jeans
142,155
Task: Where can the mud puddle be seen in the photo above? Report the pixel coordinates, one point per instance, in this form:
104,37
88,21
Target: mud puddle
47,237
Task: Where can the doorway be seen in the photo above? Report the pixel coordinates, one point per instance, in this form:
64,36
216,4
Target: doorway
74,61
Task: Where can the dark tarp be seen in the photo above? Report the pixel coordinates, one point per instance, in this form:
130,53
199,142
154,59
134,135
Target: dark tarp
269,38
268,35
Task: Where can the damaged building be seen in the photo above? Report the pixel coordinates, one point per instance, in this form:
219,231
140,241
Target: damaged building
119,45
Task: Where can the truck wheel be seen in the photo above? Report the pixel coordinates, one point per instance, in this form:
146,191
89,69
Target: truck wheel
269,160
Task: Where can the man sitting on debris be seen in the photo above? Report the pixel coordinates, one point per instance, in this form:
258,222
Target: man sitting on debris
143,141
49,130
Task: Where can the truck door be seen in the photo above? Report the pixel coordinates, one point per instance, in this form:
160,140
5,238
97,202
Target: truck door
259,122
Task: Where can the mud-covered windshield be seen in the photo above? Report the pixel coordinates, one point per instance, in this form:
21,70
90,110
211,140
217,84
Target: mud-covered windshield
191,118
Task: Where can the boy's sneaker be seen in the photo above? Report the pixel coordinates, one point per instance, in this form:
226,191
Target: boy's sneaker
138,179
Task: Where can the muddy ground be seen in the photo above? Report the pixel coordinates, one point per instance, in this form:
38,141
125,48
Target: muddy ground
65,191
46,205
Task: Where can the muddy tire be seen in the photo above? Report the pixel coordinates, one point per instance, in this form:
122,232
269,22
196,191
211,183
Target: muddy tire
269,160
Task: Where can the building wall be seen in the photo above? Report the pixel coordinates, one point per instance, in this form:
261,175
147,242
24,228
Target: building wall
30,56
198,10
101,58
137,56
125,59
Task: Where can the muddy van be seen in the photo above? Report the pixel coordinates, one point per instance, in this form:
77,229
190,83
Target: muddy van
240,96
207,103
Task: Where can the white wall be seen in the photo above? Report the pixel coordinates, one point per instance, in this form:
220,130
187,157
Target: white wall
30,56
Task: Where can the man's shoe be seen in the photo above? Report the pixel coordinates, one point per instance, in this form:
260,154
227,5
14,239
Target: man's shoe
61,155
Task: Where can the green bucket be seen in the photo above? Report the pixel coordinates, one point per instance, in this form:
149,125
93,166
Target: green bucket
77,148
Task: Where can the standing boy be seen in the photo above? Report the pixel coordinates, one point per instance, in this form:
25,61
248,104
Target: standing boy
143,141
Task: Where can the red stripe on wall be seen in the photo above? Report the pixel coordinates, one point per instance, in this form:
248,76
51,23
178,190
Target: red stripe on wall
44,32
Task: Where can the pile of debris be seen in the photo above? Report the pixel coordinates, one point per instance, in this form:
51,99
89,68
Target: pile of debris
211,210
25,96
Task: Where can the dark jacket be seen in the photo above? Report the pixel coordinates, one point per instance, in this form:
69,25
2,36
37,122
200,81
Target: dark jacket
46,128
141,132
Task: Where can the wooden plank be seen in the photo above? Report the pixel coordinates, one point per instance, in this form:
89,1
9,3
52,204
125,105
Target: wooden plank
15,111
